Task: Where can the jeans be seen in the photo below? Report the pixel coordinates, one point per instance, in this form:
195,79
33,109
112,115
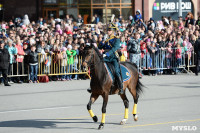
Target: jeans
75,69
69,70
178,63
162,60
135,58
169,62
33,72
63,70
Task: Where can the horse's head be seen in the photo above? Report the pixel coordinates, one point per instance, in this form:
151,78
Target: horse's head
88,56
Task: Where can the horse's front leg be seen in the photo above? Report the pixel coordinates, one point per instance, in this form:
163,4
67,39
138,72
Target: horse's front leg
93,98
105,101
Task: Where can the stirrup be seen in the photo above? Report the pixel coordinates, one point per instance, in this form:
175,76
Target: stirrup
89,90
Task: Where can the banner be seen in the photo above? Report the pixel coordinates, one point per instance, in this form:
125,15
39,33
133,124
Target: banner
171,8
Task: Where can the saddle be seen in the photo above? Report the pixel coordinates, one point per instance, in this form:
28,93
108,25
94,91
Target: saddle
111,72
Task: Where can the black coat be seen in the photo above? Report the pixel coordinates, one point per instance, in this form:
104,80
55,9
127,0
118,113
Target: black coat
33,57
197,48
4,59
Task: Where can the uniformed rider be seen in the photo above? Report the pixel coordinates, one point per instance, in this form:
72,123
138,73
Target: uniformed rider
110,47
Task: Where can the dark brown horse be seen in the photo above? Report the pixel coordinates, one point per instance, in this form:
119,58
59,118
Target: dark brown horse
101,84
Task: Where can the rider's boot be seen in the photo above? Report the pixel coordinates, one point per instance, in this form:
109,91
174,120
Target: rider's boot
120,85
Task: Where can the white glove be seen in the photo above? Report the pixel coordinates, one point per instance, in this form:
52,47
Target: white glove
104,55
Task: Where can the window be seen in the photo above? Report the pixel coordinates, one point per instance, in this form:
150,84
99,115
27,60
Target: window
84,2
63,1
71,2
113,1
126,12
126,1
99,1
50,1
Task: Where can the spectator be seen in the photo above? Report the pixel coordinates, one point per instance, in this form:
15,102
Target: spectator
137,17
134,49
178,58
33,64
198,21
12,51
19,60
76,61
151,25
80,20
197,60
70,61
169,55
123,49
189,19
26,20
4,62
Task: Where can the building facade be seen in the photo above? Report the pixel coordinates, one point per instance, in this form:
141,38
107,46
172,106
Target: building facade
87,8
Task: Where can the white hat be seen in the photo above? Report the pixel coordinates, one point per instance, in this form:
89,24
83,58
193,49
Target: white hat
69,47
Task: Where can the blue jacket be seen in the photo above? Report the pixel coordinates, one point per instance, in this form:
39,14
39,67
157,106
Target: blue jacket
12,51
111,46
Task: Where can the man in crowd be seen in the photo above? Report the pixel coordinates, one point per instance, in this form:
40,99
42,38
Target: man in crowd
197,51
4,62
134,49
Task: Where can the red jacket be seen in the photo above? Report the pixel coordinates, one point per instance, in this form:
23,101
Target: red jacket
20,53
144,50
178,53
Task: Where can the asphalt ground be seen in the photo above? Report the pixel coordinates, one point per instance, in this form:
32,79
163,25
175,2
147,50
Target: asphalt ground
169,103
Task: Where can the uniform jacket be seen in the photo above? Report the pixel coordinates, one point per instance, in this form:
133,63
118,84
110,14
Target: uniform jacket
111,46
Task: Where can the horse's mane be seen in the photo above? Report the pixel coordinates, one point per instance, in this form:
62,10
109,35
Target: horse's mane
98,53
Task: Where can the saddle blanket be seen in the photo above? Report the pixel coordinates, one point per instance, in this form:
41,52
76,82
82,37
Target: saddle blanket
126,75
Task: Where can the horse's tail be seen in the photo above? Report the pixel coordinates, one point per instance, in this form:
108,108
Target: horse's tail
139,86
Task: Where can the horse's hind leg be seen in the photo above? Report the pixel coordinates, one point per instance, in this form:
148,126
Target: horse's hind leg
126,104
135,97
93,98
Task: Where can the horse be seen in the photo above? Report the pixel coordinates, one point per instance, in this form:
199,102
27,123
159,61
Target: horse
101,84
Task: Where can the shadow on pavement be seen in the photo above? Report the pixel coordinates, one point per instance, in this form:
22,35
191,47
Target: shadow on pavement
46,123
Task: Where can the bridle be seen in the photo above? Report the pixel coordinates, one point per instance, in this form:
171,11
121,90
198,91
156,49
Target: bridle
89,62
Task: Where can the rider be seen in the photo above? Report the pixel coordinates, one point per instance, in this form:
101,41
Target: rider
110,47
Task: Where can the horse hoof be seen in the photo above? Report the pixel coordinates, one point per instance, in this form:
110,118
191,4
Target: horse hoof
135,117
123,122
101,126
95,118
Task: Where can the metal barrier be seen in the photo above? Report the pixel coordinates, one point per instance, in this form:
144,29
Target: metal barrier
48,65
58,64
164,59
55,64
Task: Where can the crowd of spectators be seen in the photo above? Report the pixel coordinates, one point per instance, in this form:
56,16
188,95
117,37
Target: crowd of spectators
67,38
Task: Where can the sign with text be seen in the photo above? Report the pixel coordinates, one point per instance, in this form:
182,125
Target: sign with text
171,8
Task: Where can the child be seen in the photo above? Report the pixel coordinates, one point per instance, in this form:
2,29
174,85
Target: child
64,64
75,66
169,55
70,60
178,57
33,64
123,49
